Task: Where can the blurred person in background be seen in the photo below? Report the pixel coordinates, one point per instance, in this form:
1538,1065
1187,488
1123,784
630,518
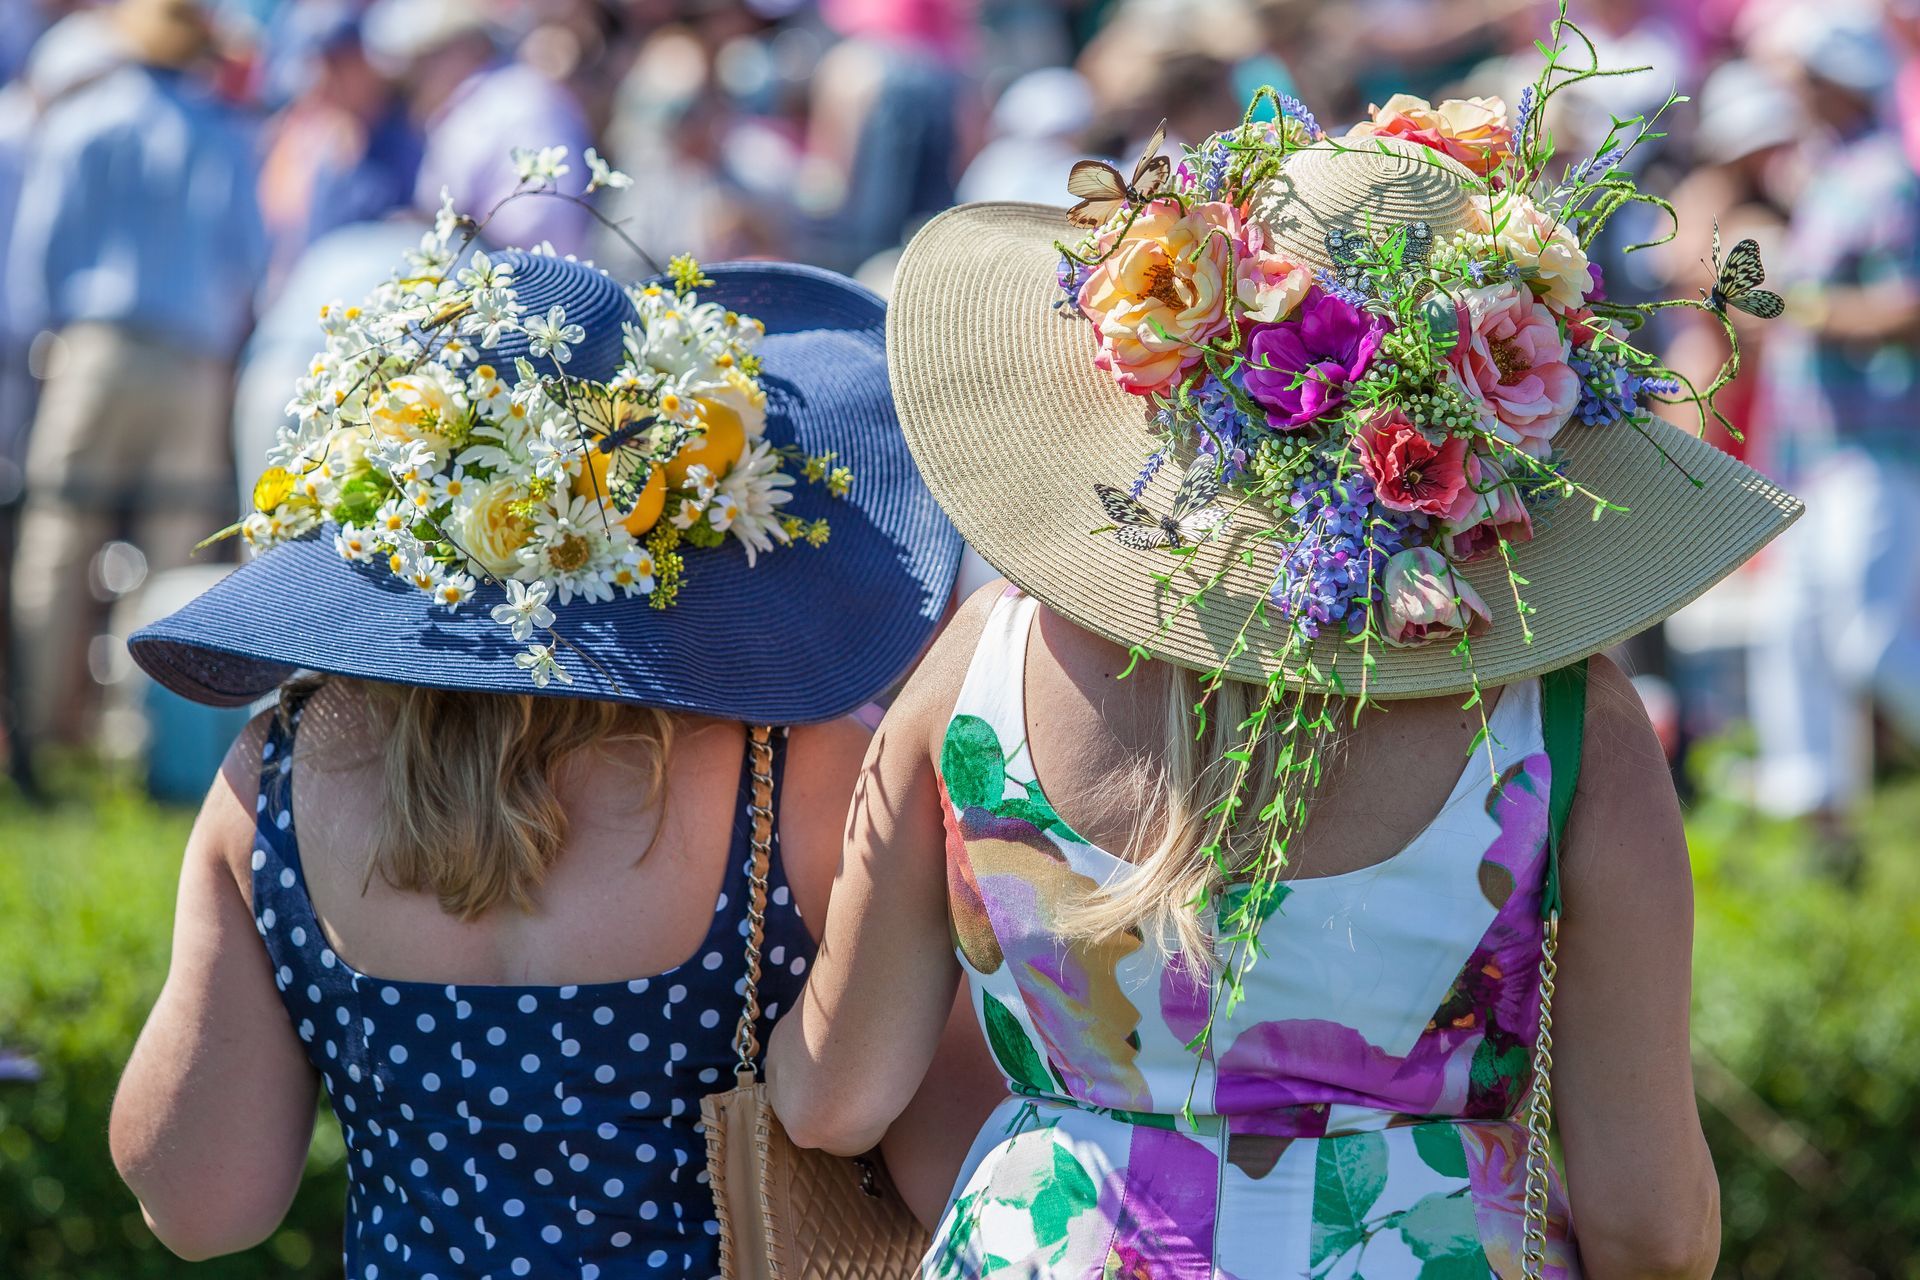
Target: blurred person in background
343,149
134,253
884,134
1034,136
475,102
1843,396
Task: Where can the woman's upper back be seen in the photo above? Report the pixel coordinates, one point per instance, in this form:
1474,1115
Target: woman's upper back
519,1092
1397,977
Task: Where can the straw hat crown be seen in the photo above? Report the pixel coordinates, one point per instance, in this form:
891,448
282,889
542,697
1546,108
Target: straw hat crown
1366,189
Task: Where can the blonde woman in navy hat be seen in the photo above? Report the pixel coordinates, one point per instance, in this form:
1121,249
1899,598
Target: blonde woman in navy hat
548,564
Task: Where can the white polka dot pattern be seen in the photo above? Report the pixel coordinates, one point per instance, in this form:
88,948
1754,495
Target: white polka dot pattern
511,1131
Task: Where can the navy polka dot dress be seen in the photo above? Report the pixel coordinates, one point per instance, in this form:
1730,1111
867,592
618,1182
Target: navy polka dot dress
495,1132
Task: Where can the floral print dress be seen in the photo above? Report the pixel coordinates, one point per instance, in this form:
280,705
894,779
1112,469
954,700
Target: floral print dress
1357,1115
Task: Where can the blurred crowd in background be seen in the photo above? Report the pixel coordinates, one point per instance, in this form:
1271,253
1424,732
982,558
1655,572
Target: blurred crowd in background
183,185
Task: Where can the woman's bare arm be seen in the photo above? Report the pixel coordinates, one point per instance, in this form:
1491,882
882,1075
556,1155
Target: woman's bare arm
849,1058
1644,1198
215,1111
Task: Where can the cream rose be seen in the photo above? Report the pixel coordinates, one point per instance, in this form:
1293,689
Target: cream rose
490,530
1532,238
413,406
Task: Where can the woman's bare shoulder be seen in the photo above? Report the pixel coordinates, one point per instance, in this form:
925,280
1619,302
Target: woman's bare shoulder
1626,814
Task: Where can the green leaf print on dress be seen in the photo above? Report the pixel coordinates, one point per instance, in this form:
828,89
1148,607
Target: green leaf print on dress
1348,1176
1009,877
1439,1145
1011,1048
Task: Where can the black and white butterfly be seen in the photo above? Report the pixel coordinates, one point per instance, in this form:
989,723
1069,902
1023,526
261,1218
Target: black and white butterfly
1737,281
1194,514
1103,192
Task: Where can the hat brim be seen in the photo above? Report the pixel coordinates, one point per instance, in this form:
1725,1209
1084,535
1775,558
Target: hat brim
1012,426
805,635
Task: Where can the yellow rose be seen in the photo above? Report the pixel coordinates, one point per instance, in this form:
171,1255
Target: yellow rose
490,531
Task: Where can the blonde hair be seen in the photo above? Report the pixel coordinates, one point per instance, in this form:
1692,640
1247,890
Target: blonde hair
471,811
1167,898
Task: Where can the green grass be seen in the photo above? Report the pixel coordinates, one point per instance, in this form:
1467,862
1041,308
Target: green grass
86,897
1807,1027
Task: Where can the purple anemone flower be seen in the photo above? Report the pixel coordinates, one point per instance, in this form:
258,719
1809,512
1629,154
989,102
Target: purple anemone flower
1299,368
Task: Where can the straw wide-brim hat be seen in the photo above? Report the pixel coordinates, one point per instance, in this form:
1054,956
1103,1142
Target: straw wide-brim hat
804,635
1013,426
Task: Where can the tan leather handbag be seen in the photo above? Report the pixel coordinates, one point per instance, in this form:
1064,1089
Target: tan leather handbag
787,1212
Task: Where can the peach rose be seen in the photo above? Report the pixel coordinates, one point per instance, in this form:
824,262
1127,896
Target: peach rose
1532,238
1474,131
1162,293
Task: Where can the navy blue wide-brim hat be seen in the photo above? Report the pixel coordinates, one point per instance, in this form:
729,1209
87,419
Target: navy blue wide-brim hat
805,635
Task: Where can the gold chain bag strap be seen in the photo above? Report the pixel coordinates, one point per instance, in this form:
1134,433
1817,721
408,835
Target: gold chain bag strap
787,1212
1563,717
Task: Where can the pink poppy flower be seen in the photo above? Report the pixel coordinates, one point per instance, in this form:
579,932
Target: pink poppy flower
1409,471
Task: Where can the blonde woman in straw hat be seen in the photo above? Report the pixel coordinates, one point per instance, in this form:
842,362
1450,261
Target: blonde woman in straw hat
1247,821
566,659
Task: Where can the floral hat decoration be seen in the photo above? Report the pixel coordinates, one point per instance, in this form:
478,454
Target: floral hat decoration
508,471
1347,418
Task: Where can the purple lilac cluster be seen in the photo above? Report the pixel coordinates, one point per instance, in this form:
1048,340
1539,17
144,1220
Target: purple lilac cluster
1611,389
1331,576
1524,114
1292,106
1070,274
1209,180
1221,424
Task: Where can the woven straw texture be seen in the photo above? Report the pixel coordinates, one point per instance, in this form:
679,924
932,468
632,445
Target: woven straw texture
1379,185
806,635
1013,426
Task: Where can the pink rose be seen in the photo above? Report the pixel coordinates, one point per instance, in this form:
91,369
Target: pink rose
1514,362
1267,285
1162,293
1474,131
1409,471
1426,600
1488,509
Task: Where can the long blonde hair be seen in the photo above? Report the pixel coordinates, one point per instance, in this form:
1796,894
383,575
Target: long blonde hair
1167,898
471,811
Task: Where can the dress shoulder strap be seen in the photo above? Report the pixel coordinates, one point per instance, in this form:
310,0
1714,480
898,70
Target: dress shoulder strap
1563,721
995,686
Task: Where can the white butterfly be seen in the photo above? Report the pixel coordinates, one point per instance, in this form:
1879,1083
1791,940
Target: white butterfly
1193,516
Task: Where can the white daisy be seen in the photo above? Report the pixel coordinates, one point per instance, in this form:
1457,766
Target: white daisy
633,573
353,543
723,511
688,513
451,486
572,544
454,590
540,663
525,610
758,489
